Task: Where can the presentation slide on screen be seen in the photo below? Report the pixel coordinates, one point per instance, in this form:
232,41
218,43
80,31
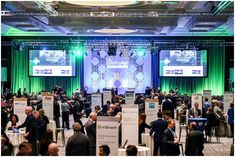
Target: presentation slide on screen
51,63
186,63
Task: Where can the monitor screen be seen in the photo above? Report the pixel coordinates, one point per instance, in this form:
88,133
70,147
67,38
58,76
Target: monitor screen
183,63
51,63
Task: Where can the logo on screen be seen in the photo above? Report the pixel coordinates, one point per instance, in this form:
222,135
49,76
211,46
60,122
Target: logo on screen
170,71
47,71
152,105
178,71
196,71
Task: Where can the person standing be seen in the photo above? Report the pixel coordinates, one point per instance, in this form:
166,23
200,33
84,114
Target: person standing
78,144
91,133
158,127
142,125
230,114
170,143
194,141
56,112
65,113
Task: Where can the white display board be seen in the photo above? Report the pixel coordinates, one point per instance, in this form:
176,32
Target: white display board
19,108
107,96
228,98
47,105
130,121
207,94
130,96
151,110
196,98
107,134
96,99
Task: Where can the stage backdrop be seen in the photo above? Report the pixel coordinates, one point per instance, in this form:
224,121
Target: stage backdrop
20,79
128,68
214,81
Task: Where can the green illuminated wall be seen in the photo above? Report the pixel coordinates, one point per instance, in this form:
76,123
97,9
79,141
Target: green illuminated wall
21,80
214,81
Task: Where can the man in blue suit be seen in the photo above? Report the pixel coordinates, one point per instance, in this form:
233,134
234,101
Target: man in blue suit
158,128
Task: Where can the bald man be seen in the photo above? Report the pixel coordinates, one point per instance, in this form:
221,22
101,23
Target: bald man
53,150
28,112
194,141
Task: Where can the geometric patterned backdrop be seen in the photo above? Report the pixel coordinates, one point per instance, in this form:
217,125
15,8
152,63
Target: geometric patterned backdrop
136,73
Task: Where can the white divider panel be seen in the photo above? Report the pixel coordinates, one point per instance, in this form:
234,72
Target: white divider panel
130,121
19,108
47,104
107,134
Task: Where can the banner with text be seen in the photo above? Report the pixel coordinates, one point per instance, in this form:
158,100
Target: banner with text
107,96
207,94
151,110
228,98
130,123
107,134
19,108
47,104
96,99
196,98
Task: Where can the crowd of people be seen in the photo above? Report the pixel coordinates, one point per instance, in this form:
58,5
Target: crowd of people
83,141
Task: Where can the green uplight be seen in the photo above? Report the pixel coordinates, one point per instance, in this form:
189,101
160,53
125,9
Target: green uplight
77,51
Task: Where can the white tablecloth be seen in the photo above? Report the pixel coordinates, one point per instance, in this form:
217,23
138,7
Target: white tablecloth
52,126
148,140
142,151
16,138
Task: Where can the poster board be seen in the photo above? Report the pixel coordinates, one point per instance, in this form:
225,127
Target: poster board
130,122
130,96
96,99
196,98
19,108
107,96
107,134
48,104
228,98
207,94
151,110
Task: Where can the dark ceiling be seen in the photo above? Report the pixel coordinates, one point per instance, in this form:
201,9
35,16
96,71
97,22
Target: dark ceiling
140,18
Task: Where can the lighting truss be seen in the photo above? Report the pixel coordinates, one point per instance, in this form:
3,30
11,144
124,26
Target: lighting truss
123,44
50,12
48,8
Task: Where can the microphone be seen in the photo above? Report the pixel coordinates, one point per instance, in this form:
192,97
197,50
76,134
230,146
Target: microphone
125,144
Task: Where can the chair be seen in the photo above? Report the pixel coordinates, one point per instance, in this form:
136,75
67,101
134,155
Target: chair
61,130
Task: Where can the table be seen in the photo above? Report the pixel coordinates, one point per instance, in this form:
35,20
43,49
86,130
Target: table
52,126
200,123
148,140
142,151
16,138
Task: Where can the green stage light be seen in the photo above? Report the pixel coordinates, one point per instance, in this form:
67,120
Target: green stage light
77,51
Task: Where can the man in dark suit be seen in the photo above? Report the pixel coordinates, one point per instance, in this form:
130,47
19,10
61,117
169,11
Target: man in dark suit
158,127
170,143
28,112
91,133
194,141
195,112
167,106
78,144
34,131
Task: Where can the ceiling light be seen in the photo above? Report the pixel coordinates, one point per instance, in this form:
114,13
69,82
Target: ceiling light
115,30
103,3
